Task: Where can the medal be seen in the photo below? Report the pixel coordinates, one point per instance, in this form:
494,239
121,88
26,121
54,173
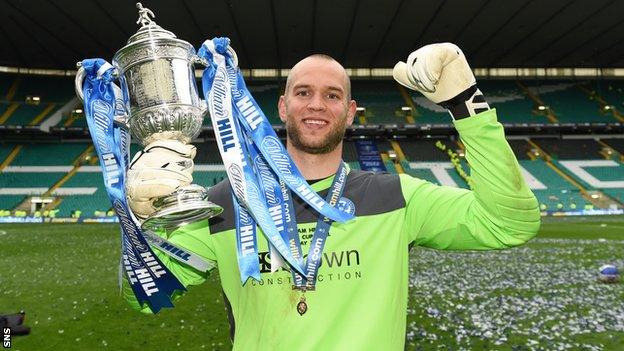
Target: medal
302,306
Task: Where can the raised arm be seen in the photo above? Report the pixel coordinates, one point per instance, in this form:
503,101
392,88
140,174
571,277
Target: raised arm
500,211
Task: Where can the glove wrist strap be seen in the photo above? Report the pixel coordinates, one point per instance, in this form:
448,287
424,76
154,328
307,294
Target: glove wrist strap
467,103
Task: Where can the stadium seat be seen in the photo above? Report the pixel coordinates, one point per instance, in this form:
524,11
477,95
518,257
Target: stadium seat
381,99
569,103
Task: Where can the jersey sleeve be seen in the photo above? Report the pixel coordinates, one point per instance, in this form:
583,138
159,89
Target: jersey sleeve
193,237
499,212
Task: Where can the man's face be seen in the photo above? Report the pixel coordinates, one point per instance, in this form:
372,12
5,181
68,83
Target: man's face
315,107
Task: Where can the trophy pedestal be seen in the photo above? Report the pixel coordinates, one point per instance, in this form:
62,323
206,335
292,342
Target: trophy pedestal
186,205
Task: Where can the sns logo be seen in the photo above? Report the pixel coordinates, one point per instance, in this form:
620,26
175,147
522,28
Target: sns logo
6,337
346,205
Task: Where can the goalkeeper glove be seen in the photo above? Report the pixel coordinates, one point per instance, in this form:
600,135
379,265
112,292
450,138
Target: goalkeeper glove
157,171
442,74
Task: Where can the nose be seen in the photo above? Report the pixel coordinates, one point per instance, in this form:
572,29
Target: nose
316,103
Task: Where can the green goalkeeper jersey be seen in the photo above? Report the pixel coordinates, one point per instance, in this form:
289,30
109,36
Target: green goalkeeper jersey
361,293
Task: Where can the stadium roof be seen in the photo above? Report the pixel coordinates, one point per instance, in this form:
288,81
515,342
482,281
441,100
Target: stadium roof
360,33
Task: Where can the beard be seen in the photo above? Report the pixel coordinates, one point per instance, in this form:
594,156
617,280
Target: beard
316,147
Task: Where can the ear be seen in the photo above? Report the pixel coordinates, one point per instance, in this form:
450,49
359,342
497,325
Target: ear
281,108
351,112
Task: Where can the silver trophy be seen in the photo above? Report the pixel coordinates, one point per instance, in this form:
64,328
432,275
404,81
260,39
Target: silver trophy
156,73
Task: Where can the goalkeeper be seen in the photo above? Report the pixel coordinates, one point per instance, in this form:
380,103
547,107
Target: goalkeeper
362,289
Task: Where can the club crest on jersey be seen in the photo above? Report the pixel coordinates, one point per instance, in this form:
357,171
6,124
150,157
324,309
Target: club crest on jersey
346,205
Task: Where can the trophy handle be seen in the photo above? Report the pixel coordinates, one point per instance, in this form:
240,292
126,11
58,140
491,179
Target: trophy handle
78,81
120,120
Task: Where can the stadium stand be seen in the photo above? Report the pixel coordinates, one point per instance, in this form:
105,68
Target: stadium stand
381,99
207,153
49,154
571,101
615,143
8,202
48,88
520,148
208,178
570,149
24,114
349,153
18,107
557,190
511,103
87,203
424,150
5,149
266,94
383,145
568,102
611,91
32,179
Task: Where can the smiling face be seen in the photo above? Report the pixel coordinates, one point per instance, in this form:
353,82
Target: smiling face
316,106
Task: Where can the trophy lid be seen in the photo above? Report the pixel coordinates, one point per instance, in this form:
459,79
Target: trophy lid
150,42
149,28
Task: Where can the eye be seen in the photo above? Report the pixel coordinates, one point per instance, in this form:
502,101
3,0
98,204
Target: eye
333,96
302,93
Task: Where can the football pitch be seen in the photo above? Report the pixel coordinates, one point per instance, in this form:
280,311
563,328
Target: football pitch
541,296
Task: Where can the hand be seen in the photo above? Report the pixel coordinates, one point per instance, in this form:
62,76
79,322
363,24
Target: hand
157,171
438,71
442,74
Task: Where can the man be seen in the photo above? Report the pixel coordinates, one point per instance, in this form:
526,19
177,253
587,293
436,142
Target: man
361,293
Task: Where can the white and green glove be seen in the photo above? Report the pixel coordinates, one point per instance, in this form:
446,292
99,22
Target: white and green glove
442,74
157,171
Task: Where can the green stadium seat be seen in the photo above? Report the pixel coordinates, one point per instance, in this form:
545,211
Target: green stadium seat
612,91
510,102
5,150
557,188
29,179
8,202
266,95
382,100
24,114
569,103
208,179
49,154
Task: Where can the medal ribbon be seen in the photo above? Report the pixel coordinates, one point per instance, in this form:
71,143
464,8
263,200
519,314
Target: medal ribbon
150,280
234,152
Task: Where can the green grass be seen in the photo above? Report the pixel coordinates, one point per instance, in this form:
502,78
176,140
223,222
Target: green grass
65,278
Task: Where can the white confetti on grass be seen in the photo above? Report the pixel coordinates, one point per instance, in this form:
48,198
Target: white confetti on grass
539,295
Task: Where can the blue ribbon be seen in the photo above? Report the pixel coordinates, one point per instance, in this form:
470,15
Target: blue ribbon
150,280
233,146
246,244
323,224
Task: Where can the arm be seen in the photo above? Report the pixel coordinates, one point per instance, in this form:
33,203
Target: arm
500,211
157,171
194,237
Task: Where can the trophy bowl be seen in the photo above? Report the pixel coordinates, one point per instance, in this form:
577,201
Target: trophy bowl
156,73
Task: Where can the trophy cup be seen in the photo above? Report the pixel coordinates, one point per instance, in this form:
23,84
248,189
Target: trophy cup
157,77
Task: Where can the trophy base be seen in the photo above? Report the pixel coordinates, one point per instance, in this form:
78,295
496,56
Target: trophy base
186,205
